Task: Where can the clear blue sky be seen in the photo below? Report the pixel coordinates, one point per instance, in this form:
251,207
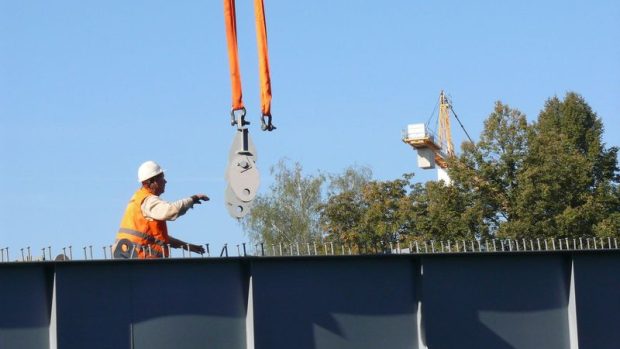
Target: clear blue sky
90,89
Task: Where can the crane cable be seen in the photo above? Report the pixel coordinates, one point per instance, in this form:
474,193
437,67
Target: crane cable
460,123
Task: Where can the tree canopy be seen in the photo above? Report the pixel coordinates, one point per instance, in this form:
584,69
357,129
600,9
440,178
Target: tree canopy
552,178
290,211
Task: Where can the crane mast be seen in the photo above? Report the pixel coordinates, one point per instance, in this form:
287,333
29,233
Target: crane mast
433,150
444,134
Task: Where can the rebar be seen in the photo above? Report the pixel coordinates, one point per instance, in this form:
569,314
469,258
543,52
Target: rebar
343,249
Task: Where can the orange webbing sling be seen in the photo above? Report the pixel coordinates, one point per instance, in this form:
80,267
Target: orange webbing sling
263,63
230,17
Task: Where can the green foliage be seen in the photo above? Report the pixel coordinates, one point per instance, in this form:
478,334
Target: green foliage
372,216
570,177
486,174
385,212
552,178
453,214
290,211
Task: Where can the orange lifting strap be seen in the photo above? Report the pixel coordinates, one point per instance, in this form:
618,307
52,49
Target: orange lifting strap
263,56
230,17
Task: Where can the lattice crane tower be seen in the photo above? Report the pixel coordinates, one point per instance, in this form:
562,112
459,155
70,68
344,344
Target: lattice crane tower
433,151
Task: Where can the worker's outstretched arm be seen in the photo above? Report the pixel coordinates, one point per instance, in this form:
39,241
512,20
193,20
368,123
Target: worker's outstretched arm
155,208
176,243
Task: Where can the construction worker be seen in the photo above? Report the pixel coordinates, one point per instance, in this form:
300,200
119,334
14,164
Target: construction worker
143,232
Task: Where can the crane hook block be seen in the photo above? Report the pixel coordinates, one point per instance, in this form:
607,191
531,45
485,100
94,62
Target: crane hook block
242,174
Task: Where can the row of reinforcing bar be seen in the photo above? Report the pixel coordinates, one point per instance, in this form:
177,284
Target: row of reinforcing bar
333,249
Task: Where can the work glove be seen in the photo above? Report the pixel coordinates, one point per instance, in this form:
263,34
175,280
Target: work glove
198,198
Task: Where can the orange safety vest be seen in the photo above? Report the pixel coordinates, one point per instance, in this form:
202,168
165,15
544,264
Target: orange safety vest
139,237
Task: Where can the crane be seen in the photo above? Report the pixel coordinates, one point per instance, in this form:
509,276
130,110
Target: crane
433,149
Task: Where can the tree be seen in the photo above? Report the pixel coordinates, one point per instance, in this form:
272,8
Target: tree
371,216
289,213
554,178
384,213
454,214
485,176
571,182
352,179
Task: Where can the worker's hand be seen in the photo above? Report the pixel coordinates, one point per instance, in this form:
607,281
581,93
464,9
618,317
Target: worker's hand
197,248
199,197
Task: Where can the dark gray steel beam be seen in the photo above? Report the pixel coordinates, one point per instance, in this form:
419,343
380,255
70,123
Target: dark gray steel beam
562,299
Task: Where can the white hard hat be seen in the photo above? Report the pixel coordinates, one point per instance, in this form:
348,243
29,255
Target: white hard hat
148,169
